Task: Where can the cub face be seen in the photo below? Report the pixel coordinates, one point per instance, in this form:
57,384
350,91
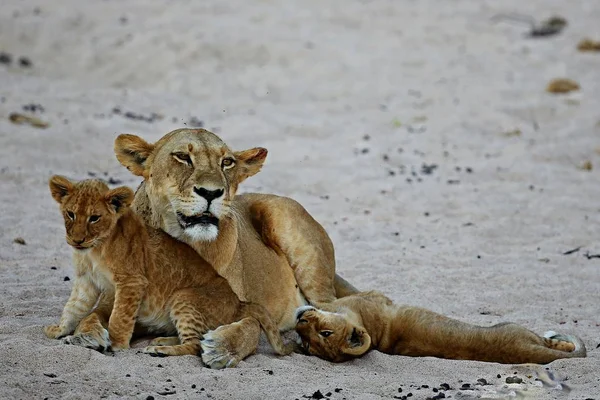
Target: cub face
330,336
191,175
90,209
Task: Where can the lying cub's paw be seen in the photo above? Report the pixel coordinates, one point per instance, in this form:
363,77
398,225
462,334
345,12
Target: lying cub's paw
92,340
118,345
215,352
55,331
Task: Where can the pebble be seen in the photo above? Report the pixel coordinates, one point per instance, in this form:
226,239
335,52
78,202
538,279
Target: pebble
513,379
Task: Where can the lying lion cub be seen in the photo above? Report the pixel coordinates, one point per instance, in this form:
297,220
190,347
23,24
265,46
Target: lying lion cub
141,273
351,326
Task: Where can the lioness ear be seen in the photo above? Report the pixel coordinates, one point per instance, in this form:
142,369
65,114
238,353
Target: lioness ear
250,161
60,187
119,198
132,152
357,343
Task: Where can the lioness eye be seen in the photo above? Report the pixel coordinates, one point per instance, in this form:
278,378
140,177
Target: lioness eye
325,333
71,215
94,218
227,162
183,158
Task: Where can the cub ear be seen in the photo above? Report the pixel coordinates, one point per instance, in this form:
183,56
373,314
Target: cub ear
60,187
250,161
132,152
358,343
119,198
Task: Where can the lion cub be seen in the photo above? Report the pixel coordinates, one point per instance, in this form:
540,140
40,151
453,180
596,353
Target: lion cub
353,325
133,273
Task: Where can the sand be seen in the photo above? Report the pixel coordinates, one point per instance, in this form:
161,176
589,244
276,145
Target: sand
352,99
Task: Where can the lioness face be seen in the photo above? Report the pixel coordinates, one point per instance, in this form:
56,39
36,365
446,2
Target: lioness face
90,209
330,336
192,176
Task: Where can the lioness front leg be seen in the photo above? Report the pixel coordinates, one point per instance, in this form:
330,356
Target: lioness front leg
91,331
289,229
83,297
128,298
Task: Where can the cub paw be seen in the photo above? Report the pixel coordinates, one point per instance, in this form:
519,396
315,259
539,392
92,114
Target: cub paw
55,331
96,340
165,341
155,351
215,352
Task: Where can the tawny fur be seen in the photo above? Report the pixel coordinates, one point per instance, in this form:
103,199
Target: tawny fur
351,326
136,273
270,250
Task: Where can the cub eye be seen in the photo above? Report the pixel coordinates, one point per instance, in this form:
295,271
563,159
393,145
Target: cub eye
326,333
183,158
71,215
94,218
227,162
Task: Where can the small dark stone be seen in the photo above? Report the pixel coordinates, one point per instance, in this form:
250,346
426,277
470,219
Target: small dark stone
194,386
478,256
66,279
409,394
366,137
513,379
317,395
5,58
428,169
445,386
399,390
426,214
466,386
54,268
498,376
25,62
20,240
168,380
328,394
150,398
435,390
425,386
114,181
453,181
482,382
159,366
50,375
127,376
469,170
364,151
337,390
385,157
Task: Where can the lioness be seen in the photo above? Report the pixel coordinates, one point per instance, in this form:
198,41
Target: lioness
351,326
270,250
142,274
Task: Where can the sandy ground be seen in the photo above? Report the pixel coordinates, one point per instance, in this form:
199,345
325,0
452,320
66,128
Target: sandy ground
352,98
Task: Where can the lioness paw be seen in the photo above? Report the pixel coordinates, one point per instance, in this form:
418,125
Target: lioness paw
215,354
55,331
92,340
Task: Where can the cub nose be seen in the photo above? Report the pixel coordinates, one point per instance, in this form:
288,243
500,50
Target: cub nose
78,241
209,195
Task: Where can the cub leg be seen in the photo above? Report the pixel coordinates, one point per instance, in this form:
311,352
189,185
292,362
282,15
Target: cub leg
83,297
289,229
425,333
190,323
128,298
91,331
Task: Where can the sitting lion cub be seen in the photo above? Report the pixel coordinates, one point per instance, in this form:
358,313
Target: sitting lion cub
351,326
135,272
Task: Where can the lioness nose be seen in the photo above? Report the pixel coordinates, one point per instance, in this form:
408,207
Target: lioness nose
209,195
